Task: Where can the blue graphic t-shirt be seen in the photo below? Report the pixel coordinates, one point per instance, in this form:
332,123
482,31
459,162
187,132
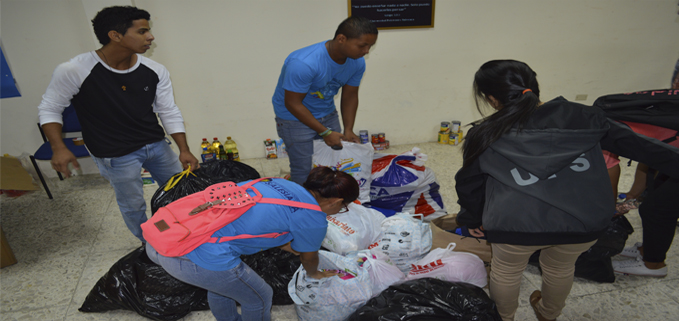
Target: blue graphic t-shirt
310,70
306,227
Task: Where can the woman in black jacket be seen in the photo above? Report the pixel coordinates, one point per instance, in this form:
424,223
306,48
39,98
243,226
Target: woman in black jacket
534,178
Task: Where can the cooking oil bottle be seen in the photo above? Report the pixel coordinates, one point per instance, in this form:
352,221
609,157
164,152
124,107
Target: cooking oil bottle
230,147
204,144
215,147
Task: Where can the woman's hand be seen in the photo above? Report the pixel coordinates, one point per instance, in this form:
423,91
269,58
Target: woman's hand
320,274
477,232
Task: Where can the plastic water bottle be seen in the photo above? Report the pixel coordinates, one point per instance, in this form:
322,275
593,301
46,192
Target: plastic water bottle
231,147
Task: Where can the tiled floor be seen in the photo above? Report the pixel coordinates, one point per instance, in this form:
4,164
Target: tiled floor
65,245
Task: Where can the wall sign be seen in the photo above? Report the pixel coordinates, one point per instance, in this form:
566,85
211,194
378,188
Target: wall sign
393,14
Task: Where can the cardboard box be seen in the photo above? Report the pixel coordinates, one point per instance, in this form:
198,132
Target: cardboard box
13,176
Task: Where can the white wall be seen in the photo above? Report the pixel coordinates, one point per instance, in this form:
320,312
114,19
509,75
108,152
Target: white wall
225,57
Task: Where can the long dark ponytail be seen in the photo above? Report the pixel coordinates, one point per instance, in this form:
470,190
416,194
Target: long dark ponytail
514,85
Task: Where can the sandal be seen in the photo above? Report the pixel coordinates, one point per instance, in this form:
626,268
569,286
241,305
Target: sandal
535,297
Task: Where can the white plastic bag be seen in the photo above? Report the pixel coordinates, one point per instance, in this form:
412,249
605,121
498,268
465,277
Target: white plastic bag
383,273
402,183
447,265
353,230
353,159
332,299
405,239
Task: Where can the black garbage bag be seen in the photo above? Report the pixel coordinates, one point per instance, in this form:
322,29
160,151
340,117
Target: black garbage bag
136,283
218,171
595,263
276,267
209,173
429,299
186,185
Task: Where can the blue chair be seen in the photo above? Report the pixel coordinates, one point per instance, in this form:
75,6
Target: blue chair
70,125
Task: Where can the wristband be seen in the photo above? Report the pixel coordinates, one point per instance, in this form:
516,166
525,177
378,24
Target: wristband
325,132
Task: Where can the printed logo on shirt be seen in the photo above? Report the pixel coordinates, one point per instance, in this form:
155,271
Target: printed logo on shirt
327,92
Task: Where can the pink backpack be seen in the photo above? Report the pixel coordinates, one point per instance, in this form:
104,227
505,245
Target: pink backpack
183,225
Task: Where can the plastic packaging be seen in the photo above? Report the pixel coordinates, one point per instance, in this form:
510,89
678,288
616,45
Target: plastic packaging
207,154
270,149
205,144
215,147
218,171
445,264
136,283
429,299
353,159
405,239
354,230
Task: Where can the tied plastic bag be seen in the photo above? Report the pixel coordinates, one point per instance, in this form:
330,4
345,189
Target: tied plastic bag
188,182
406,238
402,183
276,267
182,184
333,298
136,283
444,264
353,230
383,273
353,159
429,299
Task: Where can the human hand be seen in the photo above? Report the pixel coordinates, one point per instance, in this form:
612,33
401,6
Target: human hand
349,136
60,159
477,232
186,159
321,274
334,139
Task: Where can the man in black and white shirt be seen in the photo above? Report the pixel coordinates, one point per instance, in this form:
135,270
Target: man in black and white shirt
117,94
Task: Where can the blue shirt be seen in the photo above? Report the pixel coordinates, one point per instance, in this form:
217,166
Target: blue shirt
310,70
306,227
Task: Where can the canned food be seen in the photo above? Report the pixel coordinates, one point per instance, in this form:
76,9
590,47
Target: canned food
380,146
455,127
374,138
364,136
386,142
445,126
443,138
452,137
381,137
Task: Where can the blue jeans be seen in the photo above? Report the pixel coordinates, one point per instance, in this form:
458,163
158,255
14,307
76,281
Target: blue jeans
298,139
224,288
124,174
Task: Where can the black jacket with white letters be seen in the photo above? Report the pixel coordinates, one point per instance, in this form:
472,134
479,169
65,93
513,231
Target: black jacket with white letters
548,183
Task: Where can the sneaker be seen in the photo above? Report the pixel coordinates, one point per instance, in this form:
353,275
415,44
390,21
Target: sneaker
637,267
632,251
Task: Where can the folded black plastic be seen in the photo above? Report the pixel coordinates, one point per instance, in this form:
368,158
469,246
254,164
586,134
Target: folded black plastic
136,283
595,263
429,299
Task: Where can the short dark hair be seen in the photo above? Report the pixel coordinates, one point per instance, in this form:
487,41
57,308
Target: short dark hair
118,18
355,27
329,183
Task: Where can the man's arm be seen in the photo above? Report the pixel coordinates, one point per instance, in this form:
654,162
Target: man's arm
349,106
185,156
293,102
61,155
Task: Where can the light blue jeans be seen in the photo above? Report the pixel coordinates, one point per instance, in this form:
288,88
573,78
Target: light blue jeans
224,288
124,174
299,143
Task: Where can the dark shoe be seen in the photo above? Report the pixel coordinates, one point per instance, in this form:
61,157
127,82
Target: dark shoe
534,299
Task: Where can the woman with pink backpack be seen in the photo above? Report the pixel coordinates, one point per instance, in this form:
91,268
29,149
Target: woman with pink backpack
278,213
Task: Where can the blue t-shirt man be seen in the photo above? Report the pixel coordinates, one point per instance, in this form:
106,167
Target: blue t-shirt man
310,70
306,227
304,97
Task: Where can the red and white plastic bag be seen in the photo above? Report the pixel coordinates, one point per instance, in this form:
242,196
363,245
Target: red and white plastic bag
446,264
